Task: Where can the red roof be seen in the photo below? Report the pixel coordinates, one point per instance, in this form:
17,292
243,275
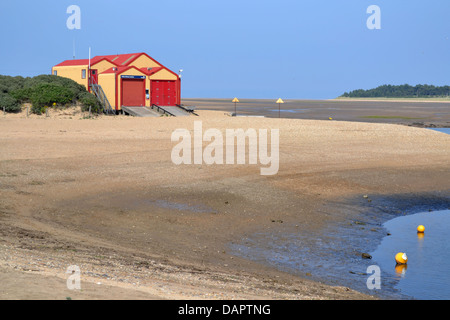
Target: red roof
118,60
80,62
121,69
67,63
122,61
150,71
116,69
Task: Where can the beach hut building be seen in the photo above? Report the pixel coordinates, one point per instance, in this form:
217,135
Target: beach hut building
125,80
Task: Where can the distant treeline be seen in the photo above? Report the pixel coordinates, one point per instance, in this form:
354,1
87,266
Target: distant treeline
400,91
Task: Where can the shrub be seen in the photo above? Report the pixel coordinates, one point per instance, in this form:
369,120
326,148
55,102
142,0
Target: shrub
47,94
3,88
9,103
89,100
22,95
76,88
44,91
38,110
9,84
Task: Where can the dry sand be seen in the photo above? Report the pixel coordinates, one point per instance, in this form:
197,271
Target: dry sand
104,194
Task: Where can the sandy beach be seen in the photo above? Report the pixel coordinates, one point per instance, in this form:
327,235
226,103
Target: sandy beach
103,194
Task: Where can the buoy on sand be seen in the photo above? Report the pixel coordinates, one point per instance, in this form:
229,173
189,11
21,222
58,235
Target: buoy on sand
401,258
420,229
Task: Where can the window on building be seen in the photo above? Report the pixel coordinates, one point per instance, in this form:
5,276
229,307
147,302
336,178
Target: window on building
55,72
83,74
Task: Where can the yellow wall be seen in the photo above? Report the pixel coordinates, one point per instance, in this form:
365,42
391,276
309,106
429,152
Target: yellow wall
144,62
108,83
147,87
102,66
72,72
163,74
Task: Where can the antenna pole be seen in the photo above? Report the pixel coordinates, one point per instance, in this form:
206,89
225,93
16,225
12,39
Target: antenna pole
89,70
74,48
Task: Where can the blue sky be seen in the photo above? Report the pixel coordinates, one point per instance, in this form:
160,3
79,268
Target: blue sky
248,48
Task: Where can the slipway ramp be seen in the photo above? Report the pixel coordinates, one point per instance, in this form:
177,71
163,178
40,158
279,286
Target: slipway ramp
157,111
177,111
140,112
174,111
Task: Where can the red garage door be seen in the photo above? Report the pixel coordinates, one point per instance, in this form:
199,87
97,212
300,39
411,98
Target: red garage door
133,92
164,93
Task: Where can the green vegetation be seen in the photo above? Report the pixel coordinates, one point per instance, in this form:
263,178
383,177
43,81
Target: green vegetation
44,91
8,85
89,100
9,103
400,91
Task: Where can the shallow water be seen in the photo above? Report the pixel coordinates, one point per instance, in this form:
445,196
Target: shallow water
427,273
181,206
333,255
444,130
290,110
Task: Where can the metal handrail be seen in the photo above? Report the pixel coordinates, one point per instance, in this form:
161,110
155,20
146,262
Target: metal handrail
164,110
187,110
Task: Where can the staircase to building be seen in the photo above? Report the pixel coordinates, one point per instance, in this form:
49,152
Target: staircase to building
101,97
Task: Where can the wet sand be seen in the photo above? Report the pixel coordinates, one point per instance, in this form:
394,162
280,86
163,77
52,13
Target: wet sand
104,194
419,113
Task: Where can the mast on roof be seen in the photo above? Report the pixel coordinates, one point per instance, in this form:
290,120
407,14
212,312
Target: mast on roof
73,48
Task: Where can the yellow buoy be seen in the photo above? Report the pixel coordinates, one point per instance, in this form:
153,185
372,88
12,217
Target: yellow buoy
421,229
401,258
